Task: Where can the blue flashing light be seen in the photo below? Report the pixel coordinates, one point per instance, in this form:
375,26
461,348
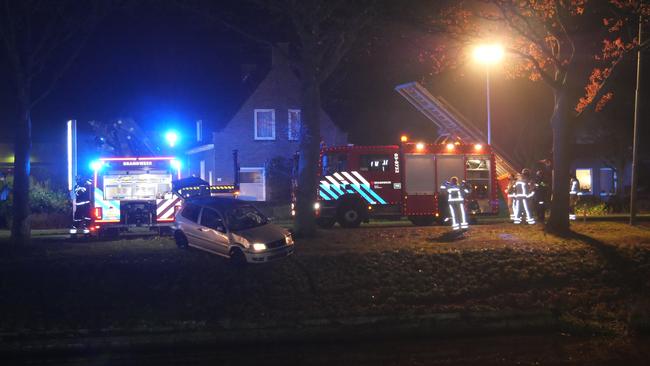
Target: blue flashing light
96,165
171,137
176,164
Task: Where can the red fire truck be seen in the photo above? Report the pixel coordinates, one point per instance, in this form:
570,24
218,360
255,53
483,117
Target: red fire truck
130,192
357,183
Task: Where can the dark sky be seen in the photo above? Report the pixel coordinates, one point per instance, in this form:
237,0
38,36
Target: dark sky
166,69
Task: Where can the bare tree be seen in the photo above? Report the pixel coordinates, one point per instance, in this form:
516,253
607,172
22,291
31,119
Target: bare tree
41,39
324,32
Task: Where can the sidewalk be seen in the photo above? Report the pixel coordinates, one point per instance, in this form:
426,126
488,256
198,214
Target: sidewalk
316,330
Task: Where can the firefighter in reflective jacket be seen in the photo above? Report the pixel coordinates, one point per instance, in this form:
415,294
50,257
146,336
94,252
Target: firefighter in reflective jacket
523,194
456,200
574,188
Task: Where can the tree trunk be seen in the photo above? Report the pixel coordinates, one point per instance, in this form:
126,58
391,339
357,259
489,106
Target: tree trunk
21,228
562,132
309,145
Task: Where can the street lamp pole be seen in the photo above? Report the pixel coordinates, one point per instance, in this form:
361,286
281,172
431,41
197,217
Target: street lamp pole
488,55
635,143
489,116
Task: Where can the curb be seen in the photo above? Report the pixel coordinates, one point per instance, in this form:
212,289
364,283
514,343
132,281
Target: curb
313,330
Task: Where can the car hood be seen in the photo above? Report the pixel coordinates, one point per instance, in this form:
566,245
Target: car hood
261,234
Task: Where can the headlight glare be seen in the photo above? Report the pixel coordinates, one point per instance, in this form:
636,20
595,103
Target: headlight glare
288,239
259,247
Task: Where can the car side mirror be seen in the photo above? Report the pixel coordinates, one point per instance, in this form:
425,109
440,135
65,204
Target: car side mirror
220,228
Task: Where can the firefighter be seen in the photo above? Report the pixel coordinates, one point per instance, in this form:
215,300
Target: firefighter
541,192
574,188
456,200
523,194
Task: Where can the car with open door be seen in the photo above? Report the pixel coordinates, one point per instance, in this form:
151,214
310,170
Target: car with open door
231,228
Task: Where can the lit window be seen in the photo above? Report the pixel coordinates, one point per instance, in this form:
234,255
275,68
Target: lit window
265,124
294,124
584,176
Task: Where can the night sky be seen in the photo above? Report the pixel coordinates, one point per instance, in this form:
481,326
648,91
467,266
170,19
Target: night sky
166,69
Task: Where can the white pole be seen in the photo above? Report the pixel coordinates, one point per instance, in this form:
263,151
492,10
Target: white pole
489,119
72,153
635,142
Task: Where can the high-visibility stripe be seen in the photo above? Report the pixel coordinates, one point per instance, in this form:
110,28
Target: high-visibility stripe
167,210
335,184
164,205
326,188
357,187
366,186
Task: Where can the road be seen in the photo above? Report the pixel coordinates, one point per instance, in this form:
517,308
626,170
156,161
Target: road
553,349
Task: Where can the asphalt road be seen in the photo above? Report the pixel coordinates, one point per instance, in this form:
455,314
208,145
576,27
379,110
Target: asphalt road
553,349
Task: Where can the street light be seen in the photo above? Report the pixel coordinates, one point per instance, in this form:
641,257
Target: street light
488,55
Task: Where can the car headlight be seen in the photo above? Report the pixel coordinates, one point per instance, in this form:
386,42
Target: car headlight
288,239
259,247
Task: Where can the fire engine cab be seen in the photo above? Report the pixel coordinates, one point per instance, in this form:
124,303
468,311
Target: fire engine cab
357,183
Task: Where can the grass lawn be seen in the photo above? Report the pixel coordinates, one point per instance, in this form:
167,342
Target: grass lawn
599,278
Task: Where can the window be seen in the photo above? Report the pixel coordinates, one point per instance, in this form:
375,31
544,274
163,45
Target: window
607,181
250,176
265,124
210,218
245,217
375,163
137,186
191,212
333,163
294,122
584,176
199,130
252,185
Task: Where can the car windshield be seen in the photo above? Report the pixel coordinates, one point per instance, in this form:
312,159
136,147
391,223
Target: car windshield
245,217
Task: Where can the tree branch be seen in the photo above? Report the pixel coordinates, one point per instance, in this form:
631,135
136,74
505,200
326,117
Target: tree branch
545,76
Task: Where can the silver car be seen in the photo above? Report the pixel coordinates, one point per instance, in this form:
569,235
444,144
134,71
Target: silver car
231,228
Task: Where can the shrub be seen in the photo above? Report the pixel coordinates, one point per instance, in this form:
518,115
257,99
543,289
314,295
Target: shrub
42,200
591,206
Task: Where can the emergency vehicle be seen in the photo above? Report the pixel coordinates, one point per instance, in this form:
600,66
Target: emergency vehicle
127,192
357,183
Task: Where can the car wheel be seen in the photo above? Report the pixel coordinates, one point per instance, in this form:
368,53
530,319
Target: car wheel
350,215
237,257
325,222
181,240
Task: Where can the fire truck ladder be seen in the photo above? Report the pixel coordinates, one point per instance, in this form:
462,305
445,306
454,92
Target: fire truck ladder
451,122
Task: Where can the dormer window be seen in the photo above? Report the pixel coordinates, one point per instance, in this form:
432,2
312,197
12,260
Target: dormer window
264,124
294,124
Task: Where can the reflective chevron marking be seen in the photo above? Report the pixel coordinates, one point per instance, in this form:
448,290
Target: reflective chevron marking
340,183
165,208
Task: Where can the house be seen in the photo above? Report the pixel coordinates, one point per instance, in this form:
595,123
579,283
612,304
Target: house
265,127
45,158
602,157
